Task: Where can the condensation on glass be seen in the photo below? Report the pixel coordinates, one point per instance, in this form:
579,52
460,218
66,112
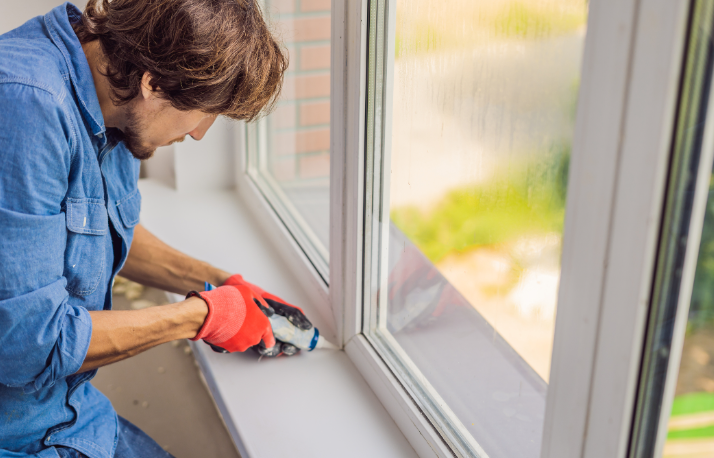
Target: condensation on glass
294,141
482,119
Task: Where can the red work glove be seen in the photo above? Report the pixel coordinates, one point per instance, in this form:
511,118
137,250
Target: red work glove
294,314
235,321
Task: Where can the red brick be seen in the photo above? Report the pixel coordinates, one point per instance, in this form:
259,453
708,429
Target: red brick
281,6
315,166
312,113
284,144
289,143
284,170
283,116
288,90
312,86
310,29
282,30
313,140
315,57
305,87
315,5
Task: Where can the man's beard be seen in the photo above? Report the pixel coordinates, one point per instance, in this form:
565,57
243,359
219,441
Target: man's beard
131,136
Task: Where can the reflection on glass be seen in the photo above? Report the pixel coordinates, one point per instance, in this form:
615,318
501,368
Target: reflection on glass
297,157
483,115
691,424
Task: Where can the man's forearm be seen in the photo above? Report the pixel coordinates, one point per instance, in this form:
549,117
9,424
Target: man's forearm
151,262
119,334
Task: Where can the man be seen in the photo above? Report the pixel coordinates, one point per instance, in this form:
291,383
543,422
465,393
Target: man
84,97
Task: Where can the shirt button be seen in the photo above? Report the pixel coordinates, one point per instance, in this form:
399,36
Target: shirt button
100,135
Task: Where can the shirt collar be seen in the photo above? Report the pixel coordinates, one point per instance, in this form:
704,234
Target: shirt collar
59,24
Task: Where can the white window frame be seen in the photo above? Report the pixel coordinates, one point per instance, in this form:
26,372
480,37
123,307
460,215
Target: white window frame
625,119
256,137
275,229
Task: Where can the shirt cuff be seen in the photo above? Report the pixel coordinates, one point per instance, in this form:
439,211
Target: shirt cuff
69,352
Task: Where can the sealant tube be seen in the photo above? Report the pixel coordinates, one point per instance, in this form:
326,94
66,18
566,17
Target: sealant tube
285,331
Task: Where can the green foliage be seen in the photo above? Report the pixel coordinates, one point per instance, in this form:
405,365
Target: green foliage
424,26
424,37
525,20
522,20
525,199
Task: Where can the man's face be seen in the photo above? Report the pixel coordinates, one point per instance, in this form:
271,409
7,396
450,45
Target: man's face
151,122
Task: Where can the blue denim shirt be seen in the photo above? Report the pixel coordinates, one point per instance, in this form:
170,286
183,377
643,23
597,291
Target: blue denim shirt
68,205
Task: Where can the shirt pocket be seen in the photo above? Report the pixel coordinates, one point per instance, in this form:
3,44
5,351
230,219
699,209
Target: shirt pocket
87,227
129,208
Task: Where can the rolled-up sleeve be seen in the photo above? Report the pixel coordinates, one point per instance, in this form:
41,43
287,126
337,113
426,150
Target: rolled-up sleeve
42,337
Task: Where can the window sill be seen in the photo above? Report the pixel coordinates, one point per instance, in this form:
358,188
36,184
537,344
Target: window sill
313,404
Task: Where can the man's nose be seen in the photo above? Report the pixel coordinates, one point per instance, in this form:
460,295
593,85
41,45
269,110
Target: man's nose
200,131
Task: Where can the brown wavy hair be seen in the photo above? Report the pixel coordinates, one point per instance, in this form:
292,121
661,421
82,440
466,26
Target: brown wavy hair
214,56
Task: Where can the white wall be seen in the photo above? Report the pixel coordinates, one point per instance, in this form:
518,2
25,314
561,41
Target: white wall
203,165
208,164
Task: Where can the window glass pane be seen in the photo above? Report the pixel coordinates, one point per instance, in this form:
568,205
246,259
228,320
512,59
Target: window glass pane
687,209
291,146
482,118
691,424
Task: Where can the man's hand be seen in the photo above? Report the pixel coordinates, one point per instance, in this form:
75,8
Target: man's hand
282,307
235,321
279,306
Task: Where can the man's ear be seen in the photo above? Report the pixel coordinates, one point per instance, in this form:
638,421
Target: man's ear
147,91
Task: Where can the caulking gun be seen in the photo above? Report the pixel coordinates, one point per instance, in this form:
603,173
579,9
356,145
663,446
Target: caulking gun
285,331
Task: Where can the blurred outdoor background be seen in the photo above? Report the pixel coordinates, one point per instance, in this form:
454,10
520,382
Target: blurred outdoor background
691,425
485,93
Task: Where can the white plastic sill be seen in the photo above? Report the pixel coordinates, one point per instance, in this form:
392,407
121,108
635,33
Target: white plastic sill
315,404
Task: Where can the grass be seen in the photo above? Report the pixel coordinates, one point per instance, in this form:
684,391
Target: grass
691,403
521,200
688,404
694,433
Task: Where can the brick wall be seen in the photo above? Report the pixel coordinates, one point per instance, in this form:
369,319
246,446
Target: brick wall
299,128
